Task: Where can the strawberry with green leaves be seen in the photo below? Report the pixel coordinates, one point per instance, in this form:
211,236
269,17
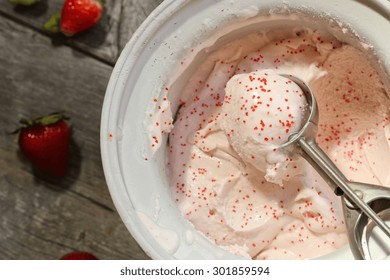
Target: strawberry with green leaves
45,143
76,16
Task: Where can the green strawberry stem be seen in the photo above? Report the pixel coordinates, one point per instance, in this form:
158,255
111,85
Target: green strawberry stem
52,25
46,120
24,2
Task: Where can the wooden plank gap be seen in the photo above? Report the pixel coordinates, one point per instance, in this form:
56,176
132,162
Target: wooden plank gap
62,245
101,205
57,39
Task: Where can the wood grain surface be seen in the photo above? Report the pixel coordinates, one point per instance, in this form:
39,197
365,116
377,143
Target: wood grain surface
42,218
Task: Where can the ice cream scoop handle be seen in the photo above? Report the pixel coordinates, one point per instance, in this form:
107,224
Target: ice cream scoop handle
329,171
312,153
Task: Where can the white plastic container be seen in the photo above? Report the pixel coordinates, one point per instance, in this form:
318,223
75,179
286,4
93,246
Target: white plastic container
139,187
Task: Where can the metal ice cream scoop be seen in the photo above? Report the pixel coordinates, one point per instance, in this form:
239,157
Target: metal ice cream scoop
363,204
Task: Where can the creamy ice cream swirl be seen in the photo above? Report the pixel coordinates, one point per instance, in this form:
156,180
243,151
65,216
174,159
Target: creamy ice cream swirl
221,186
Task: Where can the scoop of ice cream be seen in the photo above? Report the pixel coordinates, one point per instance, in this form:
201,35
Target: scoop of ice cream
260,111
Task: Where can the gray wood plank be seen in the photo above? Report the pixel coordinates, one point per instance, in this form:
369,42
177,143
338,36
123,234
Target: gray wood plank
105,40
133,13
40,218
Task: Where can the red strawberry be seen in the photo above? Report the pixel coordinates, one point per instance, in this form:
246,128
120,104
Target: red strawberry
79,256
45,143
79,15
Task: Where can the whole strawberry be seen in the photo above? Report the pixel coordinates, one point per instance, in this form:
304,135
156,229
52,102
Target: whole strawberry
79,15
79,256
45,143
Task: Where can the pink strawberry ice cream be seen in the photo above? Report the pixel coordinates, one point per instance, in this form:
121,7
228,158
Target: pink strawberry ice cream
260,111
226,177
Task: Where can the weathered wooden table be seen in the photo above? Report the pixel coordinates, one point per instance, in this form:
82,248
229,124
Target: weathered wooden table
40,74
